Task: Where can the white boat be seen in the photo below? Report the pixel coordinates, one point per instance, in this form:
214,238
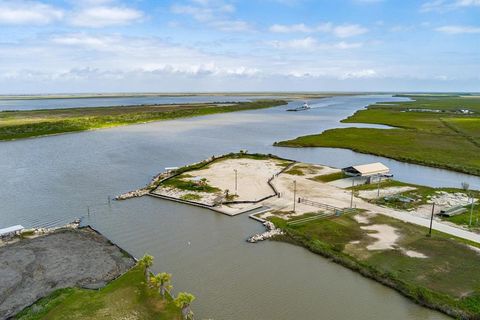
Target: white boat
305,106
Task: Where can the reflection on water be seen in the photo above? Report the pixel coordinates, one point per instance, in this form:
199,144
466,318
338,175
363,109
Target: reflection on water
48,181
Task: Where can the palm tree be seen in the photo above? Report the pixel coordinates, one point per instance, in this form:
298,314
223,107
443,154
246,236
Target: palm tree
162,282
146,262
183,301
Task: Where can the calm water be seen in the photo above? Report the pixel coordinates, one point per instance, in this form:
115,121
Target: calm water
33,104
48,181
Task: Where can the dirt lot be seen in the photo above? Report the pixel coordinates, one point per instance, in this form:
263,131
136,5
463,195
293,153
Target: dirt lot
33,268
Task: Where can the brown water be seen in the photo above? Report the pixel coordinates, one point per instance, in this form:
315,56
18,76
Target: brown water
48,181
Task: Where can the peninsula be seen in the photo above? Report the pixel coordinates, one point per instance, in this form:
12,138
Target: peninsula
369,228
435,130
74,272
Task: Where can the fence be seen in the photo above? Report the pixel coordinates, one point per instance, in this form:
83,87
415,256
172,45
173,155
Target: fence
327,211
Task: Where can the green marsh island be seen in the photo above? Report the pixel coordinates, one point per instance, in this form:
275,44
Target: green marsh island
435,130
26,124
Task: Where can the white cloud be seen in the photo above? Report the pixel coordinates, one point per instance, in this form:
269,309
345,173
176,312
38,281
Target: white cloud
468,3
360,74
231,25
458,29
300,27
310,44
307,43
447,5
349,30
85,40
214,13
348,45
341,31
28,12
86,13
367,1
103,16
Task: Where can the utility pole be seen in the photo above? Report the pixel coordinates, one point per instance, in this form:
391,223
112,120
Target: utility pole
431,221
471,212
294,194
351,198
378,190
236,173
88,210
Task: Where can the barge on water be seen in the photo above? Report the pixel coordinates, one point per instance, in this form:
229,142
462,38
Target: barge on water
304,107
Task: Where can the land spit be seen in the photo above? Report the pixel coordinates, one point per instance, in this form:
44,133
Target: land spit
238,183
33,268
231,184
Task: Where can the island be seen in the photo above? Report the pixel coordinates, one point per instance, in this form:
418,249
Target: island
34,123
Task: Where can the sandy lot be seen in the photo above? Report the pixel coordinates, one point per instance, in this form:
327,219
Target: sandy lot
372,194
252,182
309,189
252,177
386,236
33,268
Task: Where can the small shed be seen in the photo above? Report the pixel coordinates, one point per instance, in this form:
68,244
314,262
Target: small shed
11,230
367,170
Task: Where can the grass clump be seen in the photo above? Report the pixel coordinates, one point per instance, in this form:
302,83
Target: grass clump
329,177
191,197
183,183
430,130
295,171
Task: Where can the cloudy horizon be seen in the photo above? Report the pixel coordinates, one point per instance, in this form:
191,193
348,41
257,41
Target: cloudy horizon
221,45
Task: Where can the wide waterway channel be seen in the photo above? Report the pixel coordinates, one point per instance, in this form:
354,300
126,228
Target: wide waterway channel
50,180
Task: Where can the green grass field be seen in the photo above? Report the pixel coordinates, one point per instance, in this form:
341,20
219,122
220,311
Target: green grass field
25,124
127,297
446,139
447,279
329,177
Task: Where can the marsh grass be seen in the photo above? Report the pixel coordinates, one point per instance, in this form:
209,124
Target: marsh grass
446,139
446,280
24,124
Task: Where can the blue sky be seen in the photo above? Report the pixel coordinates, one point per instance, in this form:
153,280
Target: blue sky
232,45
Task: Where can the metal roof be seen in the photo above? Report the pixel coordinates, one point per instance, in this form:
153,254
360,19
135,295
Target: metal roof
370,169
11,229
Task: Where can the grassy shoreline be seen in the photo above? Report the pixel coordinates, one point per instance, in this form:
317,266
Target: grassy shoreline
429,131
125,296
437,282
28,124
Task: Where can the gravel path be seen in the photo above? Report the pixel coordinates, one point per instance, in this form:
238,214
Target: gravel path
33,268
